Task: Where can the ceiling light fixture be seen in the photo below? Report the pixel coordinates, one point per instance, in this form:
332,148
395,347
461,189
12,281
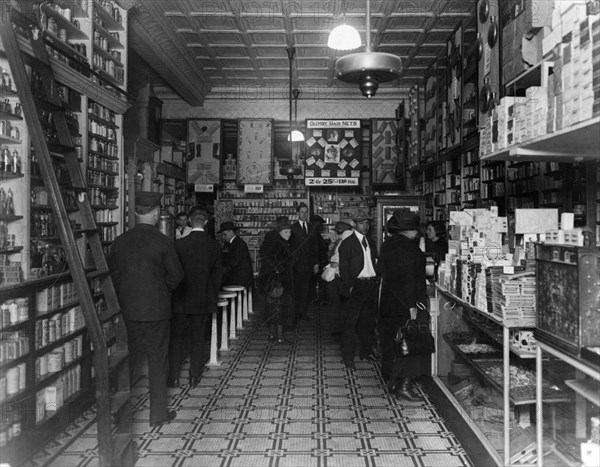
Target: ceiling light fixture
291,170
368,69
344,36
296,134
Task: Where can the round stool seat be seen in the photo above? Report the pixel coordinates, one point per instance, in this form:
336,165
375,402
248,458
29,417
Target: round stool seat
227,294
222,303
233,288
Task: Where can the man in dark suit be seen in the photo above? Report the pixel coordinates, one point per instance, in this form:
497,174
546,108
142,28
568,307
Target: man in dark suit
145,270
237,263
358,257
306,262
197,296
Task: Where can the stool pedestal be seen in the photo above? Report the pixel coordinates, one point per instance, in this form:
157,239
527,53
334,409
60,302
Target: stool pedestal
229,298
239,290
213,361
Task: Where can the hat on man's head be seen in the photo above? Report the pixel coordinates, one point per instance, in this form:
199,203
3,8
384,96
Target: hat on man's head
226,226
147,200
340,227
362,215
317,218
403,220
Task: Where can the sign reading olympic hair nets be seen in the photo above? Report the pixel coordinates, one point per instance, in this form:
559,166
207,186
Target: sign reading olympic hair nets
333,152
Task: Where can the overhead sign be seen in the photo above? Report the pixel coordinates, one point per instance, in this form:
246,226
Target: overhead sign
333,152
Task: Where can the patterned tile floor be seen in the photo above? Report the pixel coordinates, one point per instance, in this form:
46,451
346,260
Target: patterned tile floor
278,405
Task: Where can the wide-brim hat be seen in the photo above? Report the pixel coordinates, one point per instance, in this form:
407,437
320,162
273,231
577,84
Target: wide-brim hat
362,215
317,218
147,199
285,225
340,227
403,220
226,226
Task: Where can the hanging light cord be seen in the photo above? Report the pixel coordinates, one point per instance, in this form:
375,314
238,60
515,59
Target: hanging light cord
291,51
368,31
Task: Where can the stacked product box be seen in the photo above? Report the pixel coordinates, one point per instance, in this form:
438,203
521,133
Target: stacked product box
536,110
596,66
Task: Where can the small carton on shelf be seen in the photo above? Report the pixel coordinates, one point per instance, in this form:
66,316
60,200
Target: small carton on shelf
55,395
45,300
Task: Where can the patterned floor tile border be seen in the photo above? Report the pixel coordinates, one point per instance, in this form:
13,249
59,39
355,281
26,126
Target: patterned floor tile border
277,405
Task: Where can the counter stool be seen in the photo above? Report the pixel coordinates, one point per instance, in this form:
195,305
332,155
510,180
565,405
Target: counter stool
250,307
245,303
214,336
238,289
231,296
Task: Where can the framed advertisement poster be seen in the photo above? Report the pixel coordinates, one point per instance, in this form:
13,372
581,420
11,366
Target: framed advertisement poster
333,152
204,143
386,166
255,151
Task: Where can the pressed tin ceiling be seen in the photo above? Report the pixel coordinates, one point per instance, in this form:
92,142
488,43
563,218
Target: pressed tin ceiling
208,49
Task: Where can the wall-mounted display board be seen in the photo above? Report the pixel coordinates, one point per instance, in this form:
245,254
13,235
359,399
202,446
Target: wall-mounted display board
488,56
255,151
454,48
204,151
387,167
333,152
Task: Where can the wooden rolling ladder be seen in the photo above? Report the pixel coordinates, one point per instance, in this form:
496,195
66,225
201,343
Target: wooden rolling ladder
112,386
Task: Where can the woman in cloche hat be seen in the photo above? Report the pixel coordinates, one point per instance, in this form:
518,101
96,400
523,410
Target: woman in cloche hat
402,268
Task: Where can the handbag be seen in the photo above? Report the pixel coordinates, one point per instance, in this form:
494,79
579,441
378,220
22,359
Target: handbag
328,273
414,338
275,286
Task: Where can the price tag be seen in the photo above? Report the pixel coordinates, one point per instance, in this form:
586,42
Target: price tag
508,269
254,188
204,188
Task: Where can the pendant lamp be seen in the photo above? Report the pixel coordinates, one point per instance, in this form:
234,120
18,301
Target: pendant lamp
291,170
344,36
368,69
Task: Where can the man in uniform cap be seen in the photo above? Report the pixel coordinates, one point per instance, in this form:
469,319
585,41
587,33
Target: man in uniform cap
237,263
145,270
358,284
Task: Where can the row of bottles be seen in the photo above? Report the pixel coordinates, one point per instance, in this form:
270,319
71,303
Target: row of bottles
9,130
111,8
101,178
10,162
102,112
7,202
6,80
6,106
98,162
106,148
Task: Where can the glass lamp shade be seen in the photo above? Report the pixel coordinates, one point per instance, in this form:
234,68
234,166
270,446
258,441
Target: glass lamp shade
296,135
344,37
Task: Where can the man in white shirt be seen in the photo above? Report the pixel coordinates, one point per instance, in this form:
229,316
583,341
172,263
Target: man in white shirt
183,226
359,284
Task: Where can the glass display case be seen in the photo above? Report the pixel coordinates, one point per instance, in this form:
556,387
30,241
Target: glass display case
485,365
568,433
